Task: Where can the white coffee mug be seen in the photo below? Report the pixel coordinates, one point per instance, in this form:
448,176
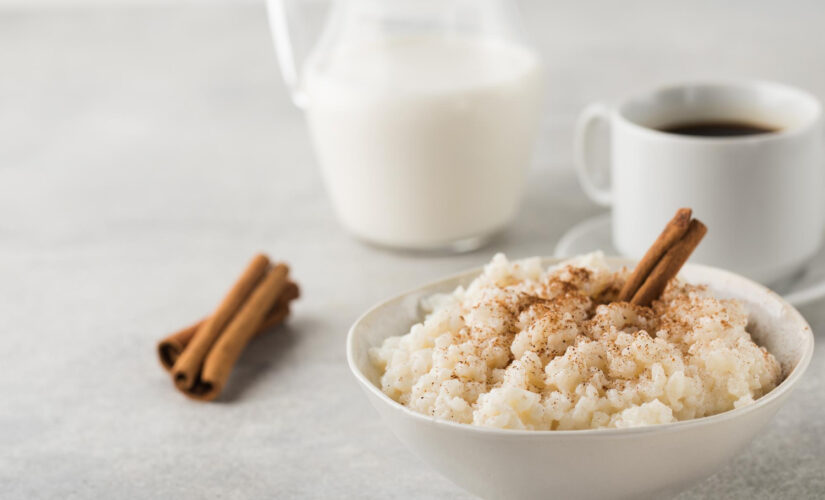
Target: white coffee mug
760,195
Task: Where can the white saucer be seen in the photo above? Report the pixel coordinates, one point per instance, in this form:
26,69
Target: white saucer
593,234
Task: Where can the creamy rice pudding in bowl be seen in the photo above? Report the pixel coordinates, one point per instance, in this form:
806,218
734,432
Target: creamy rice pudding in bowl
530,379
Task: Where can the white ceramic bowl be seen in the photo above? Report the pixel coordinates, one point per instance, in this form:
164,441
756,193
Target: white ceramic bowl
641,462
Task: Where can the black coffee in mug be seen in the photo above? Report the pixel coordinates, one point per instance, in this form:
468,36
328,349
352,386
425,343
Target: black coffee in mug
718,129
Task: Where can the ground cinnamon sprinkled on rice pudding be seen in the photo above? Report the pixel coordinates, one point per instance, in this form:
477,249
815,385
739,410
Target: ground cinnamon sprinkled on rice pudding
528,348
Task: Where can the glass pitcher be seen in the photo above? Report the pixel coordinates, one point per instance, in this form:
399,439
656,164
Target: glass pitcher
423,114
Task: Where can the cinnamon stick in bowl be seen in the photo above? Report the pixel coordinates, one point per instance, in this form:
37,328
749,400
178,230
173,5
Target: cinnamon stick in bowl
670,264
663,259
672,233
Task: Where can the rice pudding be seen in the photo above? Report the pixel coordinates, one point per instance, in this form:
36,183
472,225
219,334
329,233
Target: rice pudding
527,348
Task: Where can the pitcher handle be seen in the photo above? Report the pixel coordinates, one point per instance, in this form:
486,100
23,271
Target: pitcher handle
281,23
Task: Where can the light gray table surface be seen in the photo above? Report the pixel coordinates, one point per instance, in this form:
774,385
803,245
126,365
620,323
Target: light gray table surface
147,152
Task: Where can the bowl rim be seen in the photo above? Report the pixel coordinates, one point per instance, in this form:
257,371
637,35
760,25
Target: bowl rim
784,387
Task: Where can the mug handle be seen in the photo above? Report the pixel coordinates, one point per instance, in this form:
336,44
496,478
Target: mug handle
585,148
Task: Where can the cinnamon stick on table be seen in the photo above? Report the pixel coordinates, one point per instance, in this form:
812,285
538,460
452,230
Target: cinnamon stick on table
201,357
170,348
228,347
664,259
189,363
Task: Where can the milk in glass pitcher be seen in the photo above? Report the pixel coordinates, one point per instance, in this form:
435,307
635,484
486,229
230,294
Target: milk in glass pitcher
423,114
